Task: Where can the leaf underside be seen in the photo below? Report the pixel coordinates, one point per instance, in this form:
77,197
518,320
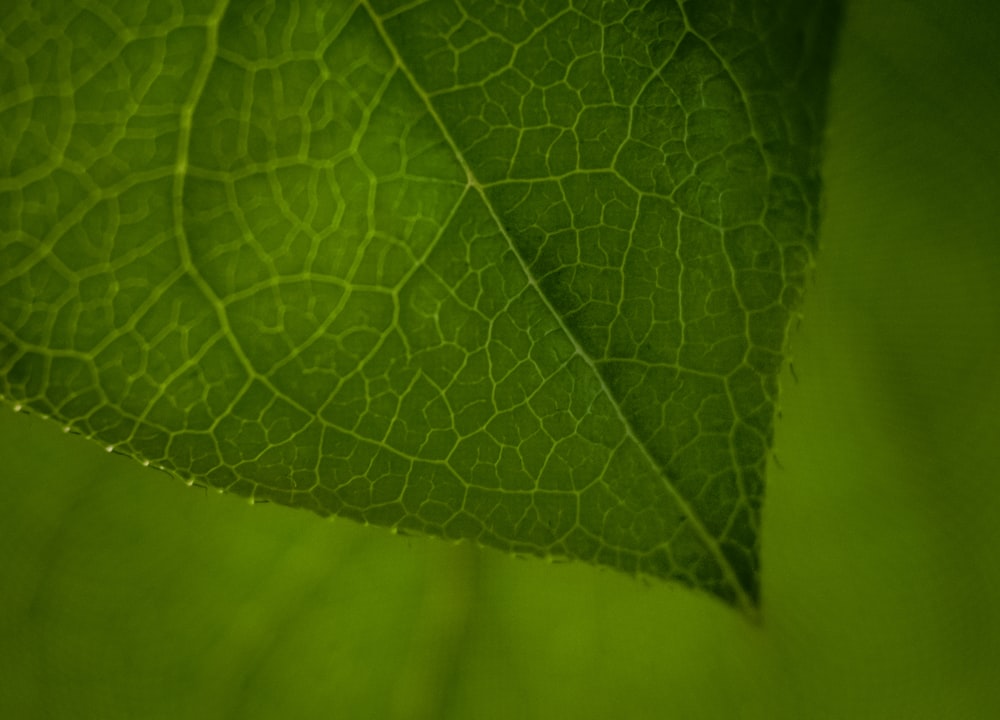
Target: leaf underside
521,275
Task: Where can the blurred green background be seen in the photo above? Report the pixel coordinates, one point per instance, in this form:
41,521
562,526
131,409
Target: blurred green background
125,594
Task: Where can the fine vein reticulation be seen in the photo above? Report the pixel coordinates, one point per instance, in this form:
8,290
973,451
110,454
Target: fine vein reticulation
519,273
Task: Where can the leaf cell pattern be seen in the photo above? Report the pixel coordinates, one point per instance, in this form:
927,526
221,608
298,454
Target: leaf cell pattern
512,272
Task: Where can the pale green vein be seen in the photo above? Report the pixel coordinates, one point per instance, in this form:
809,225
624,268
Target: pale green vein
743,600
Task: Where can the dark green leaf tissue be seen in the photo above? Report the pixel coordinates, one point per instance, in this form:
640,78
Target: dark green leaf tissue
521,274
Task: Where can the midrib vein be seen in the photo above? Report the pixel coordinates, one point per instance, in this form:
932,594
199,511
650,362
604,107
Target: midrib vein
711,543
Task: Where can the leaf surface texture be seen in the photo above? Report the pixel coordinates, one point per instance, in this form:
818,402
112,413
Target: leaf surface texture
515,274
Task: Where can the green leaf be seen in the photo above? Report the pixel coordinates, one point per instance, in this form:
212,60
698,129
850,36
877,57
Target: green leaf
517,275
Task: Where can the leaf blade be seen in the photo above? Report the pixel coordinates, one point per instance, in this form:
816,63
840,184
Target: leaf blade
456,297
